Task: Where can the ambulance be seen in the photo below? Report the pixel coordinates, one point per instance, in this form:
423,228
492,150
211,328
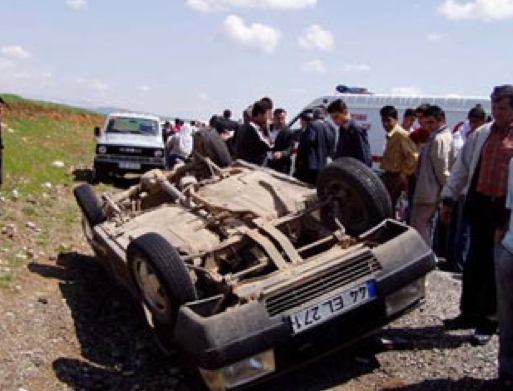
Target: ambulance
365,107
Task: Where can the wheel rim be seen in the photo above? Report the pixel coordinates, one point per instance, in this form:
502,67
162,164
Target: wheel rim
151,287
346,205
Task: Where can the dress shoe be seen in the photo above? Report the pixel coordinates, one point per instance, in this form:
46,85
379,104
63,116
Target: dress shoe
461,322
484,333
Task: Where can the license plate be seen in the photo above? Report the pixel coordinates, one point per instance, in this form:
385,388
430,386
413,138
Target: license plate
129,166
332,307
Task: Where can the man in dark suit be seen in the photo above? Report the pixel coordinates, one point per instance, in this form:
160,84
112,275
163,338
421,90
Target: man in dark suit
315,147
226,123
252,142
352,138
283,139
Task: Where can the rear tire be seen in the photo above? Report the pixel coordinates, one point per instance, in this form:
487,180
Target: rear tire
360,200
163,282
89,204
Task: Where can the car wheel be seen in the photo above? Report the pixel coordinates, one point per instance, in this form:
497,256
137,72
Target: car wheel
210,144
162,280
359,200
89,204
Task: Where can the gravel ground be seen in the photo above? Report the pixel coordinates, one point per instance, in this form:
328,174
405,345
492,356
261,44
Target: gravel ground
66,327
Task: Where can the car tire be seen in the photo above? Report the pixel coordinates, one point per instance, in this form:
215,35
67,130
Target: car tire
161,278
360,200
89,204
210,144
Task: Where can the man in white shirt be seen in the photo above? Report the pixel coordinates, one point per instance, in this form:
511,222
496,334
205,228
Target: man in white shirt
180,145
504,277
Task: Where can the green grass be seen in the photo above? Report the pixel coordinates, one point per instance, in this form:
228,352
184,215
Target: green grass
7,279
40,133
36,134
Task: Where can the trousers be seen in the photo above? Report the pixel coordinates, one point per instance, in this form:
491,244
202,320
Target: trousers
504,277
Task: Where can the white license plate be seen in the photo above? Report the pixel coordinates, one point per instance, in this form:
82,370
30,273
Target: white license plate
129,166
332,307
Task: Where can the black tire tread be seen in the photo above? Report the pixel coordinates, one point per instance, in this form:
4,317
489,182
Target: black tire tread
368,184
89,204
168,264
376,185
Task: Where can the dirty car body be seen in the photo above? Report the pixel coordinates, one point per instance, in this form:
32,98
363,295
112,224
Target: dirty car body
273,282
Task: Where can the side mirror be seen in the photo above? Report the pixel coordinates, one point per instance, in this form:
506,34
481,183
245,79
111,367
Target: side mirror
97,131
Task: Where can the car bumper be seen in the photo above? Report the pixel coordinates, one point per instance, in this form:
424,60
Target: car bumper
219,340
123,165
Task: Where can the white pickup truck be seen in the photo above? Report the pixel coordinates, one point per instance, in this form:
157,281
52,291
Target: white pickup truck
128,142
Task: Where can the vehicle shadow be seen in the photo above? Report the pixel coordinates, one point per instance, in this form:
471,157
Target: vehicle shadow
464,384
424,338
333,371
83,175
117,351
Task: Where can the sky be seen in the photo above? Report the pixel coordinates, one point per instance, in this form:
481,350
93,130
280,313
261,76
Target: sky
193,58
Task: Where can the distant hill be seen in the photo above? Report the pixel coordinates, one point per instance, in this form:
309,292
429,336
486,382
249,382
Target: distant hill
37,134
108,110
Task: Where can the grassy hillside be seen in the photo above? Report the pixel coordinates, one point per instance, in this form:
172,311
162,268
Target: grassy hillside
36,134
42,221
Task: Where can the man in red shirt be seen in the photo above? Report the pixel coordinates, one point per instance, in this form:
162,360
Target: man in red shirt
482,171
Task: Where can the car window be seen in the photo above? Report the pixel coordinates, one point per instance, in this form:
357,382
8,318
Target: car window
133,125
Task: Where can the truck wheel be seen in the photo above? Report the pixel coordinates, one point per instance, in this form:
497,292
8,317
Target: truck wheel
360,201
161,279
89,204
210,144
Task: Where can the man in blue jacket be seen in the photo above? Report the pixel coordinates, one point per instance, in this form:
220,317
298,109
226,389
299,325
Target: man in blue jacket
352,138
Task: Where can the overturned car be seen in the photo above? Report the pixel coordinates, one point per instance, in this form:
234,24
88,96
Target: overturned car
248,271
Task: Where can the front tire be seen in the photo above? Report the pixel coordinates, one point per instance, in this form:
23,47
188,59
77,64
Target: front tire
163,282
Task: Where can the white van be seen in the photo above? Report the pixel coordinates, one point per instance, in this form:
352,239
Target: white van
128,142
364,109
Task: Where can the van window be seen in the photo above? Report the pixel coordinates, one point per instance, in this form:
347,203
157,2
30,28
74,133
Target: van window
134,126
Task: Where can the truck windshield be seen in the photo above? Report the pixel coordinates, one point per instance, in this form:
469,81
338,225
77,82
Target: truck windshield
141,126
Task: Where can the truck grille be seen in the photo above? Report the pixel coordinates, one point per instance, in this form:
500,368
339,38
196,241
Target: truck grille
352,270
130,151
132,159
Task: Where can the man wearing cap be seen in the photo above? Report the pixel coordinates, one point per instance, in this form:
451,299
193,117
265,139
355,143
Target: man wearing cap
481,172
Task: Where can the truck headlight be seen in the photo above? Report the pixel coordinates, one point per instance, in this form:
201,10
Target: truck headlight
158,153
240,373
405,297
102,149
